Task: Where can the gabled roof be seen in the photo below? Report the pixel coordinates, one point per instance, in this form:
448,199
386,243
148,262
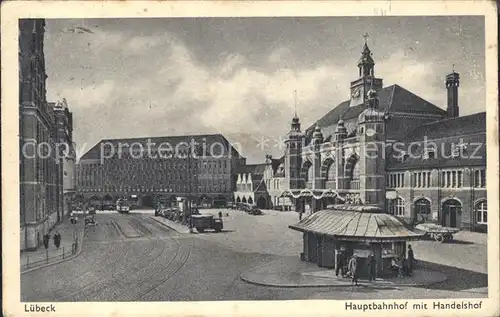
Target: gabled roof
173,141
471,130
466,125
254,169
393,98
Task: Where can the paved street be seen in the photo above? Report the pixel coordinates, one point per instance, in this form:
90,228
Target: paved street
132,257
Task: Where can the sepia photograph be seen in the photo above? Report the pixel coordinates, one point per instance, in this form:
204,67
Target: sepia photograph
229,158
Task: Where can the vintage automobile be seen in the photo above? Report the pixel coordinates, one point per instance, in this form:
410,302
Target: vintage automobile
90,220
122,206
203,222
437,232
255,211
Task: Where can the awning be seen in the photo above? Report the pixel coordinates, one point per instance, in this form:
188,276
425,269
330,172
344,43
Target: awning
356,226
313,193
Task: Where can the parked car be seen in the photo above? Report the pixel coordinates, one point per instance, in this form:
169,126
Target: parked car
255,211
203,222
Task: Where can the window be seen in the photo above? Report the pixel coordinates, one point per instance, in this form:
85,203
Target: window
422,209
480,178
452,179
482,212
310,173
398,207
396,180
429,153
332,172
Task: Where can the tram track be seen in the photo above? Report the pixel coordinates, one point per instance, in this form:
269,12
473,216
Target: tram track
92,291
119,258
167,272
124,284
105,266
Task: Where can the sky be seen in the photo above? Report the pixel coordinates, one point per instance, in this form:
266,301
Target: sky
236,76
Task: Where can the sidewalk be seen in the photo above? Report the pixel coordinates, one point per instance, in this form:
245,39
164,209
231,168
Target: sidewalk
291,272
41,257
171,224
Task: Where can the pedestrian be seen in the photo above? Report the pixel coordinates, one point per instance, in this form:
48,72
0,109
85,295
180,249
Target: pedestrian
411,259
57,239
46,239
372,267
401,265
339,265
353,268
220,214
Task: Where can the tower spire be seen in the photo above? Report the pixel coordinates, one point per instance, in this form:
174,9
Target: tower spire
366,63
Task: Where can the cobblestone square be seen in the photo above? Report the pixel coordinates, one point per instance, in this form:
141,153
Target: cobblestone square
134,257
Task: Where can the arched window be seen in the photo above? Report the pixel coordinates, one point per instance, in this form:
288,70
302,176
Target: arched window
355,171
422,209
310,174
332,172
398,207
482,212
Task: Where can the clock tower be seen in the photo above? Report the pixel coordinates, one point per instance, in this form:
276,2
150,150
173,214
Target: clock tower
366,80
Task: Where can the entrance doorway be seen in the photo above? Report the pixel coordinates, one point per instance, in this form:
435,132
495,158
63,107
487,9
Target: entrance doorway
262,203
422,209
451,213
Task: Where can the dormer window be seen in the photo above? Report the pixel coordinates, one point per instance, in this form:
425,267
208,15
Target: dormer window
458,149
429,154
404,157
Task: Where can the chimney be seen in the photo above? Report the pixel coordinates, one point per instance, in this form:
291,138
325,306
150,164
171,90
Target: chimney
452,83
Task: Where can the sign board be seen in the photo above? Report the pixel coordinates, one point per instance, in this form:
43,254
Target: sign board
391,194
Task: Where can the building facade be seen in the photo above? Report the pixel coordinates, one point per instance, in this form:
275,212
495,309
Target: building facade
389,147
40,184
67,155
202,167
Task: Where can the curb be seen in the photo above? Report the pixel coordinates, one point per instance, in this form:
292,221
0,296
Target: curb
168,226
361,284
78,251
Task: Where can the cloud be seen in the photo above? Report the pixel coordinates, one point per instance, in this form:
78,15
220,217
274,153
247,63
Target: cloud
141,44
150,85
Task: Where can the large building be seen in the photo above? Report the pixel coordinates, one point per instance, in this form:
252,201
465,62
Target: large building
67,154
388,146
41,204
202,167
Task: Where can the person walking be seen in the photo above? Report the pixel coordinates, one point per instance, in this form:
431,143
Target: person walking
339,266
57,240
46,240
401,265
372,267
353,268
411,259
220,214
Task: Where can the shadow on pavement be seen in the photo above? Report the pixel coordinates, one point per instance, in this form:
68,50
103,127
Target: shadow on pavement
458,279
460,242
426,238
222,231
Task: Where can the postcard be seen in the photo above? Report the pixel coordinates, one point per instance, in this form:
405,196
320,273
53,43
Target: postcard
238,158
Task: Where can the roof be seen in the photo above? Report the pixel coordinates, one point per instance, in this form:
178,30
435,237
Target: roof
254,169
356,226
393,98
441,136
471,124
173,141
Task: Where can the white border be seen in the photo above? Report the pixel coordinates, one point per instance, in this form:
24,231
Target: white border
11,11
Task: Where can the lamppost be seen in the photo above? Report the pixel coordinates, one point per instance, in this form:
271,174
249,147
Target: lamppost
193,176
